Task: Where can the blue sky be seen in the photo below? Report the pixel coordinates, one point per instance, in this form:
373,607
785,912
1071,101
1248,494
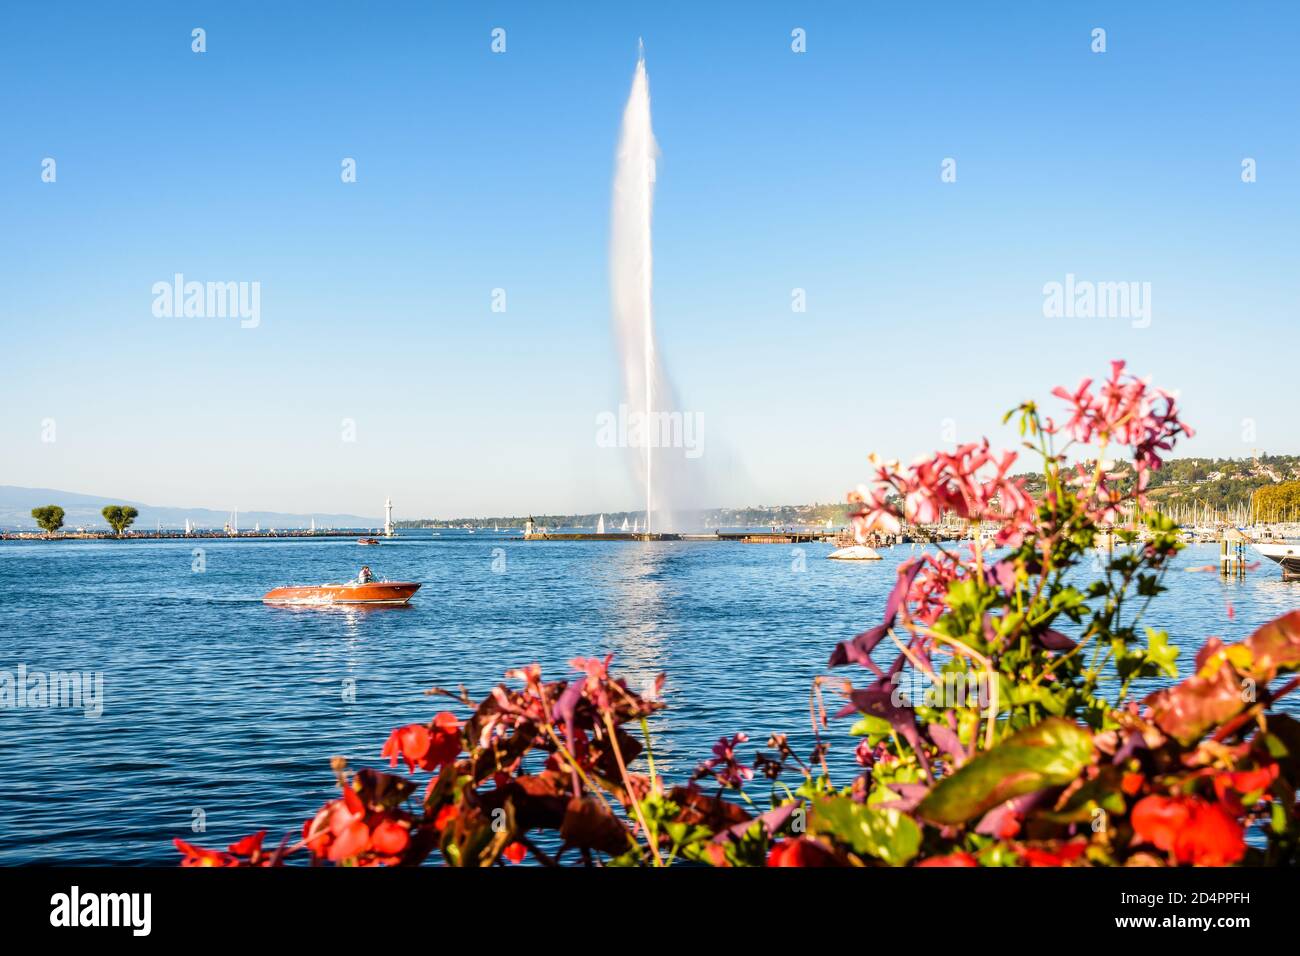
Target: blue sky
477,171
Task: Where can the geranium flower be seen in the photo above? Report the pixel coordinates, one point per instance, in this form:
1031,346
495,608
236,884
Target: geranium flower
201,856
1230,787
1060,856
800,852
425,746
952,859
515,852
723,764
249,847
1194,830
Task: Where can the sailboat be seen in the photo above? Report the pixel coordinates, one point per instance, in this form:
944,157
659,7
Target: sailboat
624,528
600,525
636,523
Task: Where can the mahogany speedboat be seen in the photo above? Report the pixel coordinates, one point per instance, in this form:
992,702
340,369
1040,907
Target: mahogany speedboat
376,592
367,540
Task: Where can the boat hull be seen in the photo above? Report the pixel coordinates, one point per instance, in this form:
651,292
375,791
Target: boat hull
1285,554
377,592
855,552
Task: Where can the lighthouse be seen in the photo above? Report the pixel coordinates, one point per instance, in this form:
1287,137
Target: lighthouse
388,517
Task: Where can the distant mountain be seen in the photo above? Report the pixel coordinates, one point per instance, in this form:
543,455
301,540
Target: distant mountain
83,511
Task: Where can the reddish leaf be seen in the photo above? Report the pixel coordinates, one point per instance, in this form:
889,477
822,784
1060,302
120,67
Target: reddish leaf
589,826
1276,645
1188,709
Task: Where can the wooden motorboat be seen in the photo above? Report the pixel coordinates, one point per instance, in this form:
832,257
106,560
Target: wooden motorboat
375,592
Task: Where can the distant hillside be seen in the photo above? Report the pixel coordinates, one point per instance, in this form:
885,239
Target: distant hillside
1221,484
83,511
1182,485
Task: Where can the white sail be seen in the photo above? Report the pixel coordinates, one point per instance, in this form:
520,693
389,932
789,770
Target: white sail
600,525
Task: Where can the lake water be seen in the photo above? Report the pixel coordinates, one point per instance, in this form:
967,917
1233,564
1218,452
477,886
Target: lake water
217,707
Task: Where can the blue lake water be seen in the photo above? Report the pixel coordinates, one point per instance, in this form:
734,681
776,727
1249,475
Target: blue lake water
221,708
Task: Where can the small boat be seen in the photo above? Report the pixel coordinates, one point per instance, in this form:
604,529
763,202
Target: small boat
1285,554
855,552
376,592
367,540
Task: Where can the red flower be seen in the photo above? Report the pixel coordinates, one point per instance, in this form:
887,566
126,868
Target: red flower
425,746
515,852
446,815
1131,783
199,856
1194,830
952,859
390,837
800,852
1230,787
1061,856
249,847
345,830
410,743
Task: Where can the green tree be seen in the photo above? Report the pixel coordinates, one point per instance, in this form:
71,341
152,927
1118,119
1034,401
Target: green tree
1280,502
49,518
119,517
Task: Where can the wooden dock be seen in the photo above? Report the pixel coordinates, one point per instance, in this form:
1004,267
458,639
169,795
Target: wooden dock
592,536
778,537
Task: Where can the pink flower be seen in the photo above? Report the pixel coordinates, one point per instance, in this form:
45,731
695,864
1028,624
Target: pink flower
1125,410
723,764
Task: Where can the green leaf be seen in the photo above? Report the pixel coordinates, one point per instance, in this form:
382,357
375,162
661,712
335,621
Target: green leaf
1049,754
1160,655
889,835
870,725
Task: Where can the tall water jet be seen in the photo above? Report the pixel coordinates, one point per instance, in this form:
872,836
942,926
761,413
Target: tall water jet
631,267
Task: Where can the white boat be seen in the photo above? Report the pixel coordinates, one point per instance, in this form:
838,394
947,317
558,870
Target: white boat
1285,553
855,552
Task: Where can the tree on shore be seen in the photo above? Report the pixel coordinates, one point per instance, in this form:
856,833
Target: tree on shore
1280,502
119,517
49,518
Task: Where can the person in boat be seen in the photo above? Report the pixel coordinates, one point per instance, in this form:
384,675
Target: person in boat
366,576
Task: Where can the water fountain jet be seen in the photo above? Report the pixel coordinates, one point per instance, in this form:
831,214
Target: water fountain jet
631,267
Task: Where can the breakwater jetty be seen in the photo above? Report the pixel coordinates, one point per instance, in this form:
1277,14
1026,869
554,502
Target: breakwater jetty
171,535
744,537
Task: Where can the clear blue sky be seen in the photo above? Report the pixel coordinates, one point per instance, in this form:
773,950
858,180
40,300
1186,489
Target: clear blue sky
479,171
